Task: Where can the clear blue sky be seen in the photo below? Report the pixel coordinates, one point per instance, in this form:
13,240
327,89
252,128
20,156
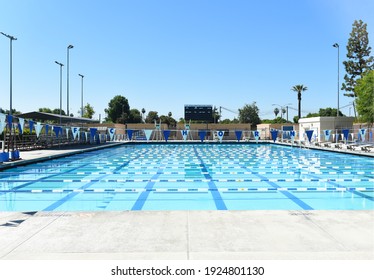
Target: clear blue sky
164,54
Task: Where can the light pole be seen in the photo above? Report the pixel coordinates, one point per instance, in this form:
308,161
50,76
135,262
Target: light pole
11,38
67,79
60,87
81,95
336,45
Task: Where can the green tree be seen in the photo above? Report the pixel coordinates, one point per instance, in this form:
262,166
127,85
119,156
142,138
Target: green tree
45,110
365,98
118,110
325,112
279,120
88,111
6,112
299,89
135,116
276,120
249,114
267,121
171,122
312,115
359,59
57,112
152,117
329,112
225,121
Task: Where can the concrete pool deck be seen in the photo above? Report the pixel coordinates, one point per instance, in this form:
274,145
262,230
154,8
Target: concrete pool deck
182,235
188,235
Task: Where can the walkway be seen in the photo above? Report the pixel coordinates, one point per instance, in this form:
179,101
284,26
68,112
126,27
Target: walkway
182,235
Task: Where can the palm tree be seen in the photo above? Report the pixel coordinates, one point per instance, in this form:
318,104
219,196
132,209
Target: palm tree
283,111
143,112
276,112
299,89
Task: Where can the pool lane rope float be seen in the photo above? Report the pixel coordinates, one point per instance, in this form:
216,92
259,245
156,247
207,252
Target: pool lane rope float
193,190
206,180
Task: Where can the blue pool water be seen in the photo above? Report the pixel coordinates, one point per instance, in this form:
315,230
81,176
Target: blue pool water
192,177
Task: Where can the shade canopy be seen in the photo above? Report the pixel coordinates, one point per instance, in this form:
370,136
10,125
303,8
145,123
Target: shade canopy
55,117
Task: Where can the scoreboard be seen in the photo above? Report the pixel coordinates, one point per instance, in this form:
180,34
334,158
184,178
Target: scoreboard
198,113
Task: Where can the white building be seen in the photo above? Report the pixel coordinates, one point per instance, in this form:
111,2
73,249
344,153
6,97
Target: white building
319,124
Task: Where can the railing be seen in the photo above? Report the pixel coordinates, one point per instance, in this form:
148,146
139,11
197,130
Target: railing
29,142
347,135
186,135
336,135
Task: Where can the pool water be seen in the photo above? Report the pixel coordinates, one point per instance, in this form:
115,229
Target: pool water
192,177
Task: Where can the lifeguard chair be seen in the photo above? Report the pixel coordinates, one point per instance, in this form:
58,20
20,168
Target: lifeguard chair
186,133
157,135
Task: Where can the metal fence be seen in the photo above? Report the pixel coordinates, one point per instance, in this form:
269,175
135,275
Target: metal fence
49,139
336,135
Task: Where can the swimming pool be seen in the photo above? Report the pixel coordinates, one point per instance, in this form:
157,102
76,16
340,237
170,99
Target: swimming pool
192,177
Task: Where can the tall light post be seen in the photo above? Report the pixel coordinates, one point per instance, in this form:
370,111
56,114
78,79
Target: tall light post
81,95
67,79
61,65
336,45
11,38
